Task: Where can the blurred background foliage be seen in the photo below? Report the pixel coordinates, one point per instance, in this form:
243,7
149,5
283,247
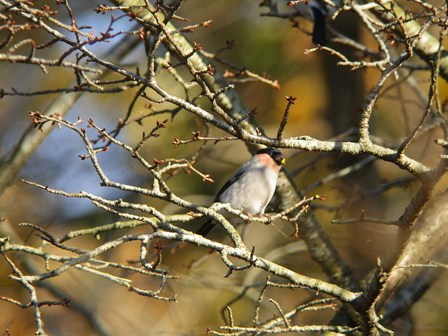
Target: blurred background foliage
329,100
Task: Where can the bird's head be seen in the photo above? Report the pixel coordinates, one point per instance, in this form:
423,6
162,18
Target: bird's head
275,154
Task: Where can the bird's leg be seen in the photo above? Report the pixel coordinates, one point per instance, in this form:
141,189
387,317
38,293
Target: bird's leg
249,216
268,217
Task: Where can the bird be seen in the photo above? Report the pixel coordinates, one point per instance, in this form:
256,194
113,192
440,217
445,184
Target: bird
317,11
251,187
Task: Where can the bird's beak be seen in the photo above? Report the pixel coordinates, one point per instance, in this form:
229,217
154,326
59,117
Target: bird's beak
283,161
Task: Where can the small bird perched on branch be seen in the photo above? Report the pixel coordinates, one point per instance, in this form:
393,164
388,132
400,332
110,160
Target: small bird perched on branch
252,186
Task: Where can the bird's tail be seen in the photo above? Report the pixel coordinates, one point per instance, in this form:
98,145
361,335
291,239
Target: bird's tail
320,27
206,228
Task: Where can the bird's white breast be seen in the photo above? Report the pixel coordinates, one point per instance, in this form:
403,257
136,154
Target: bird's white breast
252,191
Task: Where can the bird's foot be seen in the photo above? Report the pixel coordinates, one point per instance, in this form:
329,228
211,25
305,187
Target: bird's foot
268,218
250,217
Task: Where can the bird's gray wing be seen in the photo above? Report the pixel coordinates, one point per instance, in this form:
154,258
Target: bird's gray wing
235,177
208,226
